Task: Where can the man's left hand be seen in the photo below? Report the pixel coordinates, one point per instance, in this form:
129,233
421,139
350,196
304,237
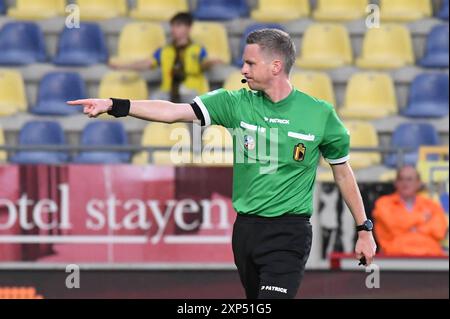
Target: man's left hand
365,246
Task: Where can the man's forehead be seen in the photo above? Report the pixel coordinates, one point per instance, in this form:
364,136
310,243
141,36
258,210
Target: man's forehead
408,171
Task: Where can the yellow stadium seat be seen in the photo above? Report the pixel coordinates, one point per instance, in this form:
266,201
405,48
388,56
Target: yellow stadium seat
325,46
340,10
12,94
316,84
387,47
233,82
123,84
405,10
102,9
215,139
213,36
3,154
37,9
138,41
363,134
158,10
433,170
368,96
166,135
280,10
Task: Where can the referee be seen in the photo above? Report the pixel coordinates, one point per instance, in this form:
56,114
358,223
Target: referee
272,234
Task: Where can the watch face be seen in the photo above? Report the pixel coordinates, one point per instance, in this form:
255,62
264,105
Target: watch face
368,224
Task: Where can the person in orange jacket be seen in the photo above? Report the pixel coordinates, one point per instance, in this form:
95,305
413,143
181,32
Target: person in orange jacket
407,223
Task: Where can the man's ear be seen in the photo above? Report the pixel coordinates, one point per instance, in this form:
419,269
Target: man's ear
277,67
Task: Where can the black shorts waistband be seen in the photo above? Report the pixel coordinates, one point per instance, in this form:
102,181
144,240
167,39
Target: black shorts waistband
282,218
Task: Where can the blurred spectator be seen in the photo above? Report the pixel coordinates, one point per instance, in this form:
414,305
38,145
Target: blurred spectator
182,64
406,222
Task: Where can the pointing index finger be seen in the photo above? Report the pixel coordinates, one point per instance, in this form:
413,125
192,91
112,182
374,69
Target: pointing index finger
78,102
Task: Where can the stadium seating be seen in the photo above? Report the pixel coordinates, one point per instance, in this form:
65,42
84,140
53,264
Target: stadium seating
41,133
123,84
444,202
220,9
3,154
411,135
428,96
158,10
247,31
37,9
340,10
215,139
21,43
316,84
213,36
165,135
368,96
233,82
325,46
387,47
363,134
103,133
2,7
280,10
55,89
433,164
81,46
13,98
405,10
137,41
443,12
102,9
437,53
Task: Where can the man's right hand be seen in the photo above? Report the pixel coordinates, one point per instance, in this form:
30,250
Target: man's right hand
93,107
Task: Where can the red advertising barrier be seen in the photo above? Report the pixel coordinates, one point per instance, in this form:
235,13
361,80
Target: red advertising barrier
115,214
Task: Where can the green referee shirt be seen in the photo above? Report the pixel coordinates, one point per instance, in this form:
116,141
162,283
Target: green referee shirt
277,146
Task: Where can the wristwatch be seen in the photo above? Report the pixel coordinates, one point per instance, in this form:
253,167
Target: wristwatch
367,226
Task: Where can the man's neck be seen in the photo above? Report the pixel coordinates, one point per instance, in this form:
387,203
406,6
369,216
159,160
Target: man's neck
180,43
410,200
279,90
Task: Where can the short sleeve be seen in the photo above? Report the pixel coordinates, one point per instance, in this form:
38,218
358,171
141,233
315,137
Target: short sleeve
217,107
335,145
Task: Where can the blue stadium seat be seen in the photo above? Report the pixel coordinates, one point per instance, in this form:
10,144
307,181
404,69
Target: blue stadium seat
82,46
247,31
443,12
444,201
55,89
428,96
221,9
436,52
41,133
2,7
411,135
103,133
21,43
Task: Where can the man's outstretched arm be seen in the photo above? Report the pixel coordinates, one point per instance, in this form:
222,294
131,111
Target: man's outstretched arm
150,110
343,175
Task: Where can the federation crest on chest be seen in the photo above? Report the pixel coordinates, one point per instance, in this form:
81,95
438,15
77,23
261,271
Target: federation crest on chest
299,152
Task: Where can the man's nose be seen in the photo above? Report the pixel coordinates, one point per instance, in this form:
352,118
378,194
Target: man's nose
244,69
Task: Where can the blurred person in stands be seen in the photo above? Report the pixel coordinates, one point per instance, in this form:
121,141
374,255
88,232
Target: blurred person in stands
407,222
182,63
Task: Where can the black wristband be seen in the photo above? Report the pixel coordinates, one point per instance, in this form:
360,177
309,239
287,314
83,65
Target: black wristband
120,107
